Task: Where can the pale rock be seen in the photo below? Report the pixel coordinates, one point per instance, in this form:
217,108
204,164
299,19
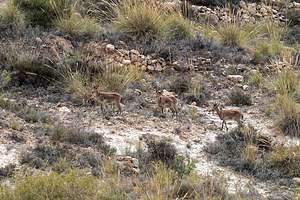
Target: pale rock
143,67
150,68
134,52
138,64
126,62
253,72
110,48
236,78
296,181
158,68
153,62
134,58
64,109
39,40
163,64
121,43
245,87
127,165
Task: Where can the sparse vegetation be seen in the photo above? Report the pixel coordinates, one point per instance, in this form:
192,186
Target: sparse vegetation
239,97
255,154
52,53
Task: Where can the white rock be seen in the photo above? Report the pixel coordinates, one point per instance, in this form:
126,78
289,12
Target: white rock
64,109
110,48
236,78
158,68
150,68
135,52
126,62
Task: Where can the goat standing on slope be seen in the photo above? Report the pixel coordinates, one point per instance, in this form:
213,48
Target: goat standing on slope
167,102
224,115
107,98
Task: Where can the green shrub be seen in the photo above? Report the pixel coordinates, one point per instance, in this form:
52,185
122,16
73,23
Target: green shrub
79,137
76,24
5,78
29,61
285,158
12,15
238,97
236,34
256,79
117,78
287,117
137,18
51,185
177,27
44,12
286,82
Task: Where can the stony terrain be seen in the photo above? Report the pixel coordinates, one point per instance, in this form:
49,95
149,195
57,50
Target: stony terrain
197,124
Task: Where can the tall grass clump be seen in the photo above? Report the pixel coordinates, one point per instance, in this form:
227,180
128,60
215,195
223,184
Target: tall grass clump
43,12
286,81
236,33
79,82
12,15
77,24
287,115
270,44
117,78
285,158
177,27
148,19
139,18
51,185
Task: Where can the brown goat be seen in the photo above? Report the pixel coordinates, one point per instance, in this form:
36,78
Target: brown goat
167,102
107,98
228,115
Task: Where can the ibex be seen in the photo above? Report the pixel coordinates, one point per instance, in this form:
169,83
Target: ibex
107,98
167,102
228,115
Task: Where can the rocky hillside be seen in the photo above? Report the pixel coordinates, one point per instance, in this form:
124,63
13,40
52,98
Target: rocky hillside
243,55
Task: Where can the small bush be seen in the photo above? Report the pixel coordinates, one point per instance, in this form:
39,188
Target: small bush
12,15
161,151
250,153
180,85
43,13
236,34
285,158
286,82
18,138
7,171
76,24
293,15
5,78
177,27
238,97
136,18
51,185
45,156
79,137
256,79
287,116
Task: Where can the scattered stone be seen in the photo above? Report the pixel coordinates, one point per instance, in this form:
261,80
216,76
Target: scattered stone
121,43
236,78
39,40
127,165
296,181
110,48
64,109
126,62
150,68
